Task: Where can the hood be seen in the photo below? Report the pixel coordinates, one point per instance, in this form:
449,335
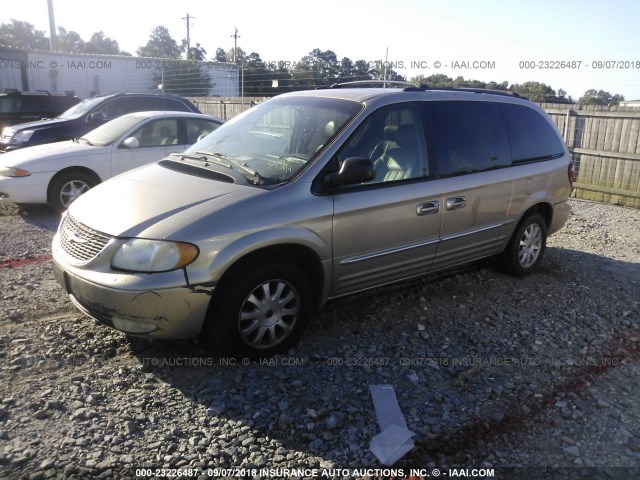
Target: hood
46,157
153,202
38,124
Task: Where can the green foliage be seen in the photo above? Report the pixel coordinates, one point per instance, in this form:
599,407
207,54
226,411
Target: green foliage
600,97
70,42
23,35
534,91
197,53
160,45
99,44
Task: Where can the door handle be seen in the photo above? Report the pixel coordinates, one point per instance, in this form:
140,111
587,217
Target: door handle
428,208
454,203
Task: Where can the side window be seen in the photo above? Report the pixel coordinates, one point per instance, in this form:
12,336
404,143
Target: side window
467,137
197,128
175,105
158,133
114,109
158,103
393,138
532,137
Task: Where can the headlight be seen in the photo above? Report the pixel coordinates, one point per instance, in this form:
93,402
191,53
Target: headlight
141,255
13,172
22,136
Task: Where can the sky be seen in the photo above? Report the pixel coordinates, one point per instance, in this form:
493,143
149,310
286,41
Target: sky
567,44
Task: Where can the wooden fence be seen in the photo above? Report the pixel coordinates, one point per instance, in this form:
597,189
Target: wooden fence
604,142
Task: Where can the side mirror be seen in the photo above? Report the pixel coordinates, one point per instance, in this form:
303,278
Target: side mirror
353,170
131,142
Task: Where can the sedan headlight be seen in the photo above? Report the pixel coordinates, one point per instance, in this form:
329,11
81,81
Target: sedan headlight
22,136
13,172
142,255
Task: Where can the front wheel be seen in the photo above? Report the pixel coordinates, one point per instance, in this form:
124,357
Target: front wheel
69,187
526,247
259,313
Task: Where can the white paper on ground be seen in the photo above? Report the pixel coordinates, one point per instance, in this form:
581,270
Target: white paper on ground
394,439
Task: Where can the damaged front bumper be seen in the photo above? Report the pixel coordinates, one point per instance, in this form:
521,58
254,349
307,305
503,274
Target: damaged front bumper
177,312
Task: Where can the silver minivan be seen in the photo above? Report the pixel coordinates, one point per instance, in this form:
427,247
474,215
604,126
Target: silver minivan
310,196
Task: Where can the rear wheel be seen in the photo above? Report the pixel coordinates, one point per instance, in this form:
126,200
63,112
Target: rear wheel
259,313
68,187
526,247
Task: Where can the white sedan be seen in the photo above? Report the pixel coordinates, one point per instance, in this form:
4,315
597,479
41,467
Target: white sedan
58,173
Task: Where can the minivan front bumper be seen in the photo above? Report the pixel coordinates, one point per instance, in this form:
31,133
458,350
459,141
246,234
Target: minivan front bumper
162,313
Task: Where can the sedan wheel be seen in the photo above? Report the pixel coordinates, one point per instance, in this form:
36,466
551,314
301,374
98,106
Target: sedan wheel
68,187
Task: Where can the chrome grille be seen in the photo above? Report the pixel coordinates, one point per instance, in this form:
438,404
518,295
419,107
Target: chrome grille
79,241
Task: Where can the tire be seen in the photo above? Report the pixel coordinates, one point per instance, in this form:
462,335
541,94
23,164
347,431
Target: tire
66,188
526,247
260,313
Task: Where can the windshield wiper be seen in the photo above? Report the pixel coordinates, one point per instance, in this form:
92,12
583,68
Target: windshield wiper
257,180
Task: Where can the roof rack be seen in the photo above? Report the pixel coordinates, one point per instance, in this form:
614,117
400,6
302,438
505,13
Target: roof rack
478,90
383,83
416,86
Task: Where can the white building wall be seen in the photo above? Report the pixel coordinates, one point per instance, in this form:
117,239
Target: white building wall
88,75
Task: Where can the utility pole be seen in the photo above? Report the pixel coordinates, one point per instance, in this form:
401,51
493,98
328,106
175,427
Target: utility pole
188,18
52,27
235,44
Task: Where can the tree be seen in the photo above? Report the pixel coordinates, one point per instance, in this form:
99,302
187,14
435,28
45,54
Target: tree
315,69
437,80
536,92
160,45
194,53
600,97
70,42
99,44
23,35
221,55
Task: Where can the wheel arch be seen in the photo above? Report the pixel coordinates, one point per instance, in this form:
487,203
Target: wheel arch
295,254
67,170
544,209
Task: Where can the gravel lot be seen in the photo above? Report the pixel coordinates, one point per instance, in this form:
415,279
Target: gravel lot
533,378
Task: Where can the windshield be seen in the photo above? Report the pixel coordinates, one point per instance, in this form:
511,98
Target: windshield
276,139
109,132
80,109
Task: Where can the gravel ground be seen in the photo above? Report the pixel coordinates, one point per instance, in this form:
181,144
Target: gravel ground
531,378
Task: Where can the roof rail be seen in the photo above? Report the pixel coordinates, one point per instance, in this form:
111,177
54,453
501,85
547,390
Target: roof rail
479,90
383,83
416,86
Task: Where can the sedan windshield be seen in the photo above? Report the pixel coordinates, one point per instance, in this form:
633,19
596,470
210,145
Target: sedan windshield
80,109
111,131
273,141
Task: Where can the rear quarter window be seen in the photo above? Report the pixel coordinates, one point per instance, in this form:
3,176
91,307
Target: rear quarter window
531,136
